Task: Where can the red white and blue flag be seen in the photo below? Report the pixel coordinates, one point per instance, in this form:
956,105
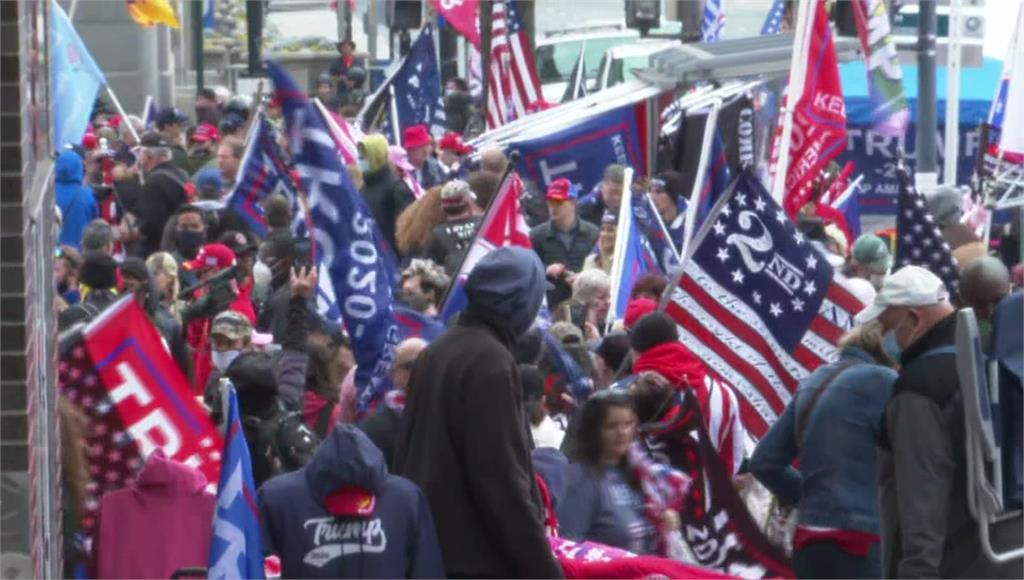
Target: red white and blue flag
502,225
513,85
236,548
714,20
347,239
262,171
758,304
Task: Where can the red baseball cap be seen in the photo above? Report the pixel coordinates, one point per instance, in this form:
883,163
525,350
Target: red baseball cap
561,189
416,136
213,256
453,142
205,133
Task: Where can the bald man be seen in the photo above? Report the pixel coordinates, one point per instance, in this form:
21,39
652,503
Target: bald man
382,426
493,160
983,283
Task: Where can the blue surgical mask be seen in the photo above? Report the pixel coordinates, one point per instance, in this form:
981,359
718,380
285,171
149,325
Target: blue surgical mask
892,347
364,166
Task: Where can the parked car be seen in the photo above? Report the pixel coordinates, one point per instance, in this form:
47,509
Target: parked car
618,62
557,52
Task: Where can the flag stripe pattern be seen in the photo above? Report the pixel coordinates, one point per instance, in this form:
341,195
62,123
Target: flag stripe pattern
513,86
714,20
758,304
919,241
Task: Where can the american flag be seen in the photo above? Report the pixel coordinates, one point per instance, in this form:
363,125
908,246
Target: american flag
513,86
714,20
919,241
773,22
758,304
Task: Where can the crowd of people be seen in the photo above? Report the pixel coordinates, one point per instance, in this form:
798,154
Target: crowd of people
482,448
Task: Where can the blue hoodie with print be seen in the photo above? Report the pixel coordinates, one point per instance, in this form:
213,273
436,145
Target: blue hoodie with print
396,540
77,202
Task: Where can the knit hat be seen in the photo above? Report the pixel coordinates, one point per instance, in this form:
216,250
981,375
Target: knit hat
99,270
651,330
456,192
134,268
637,309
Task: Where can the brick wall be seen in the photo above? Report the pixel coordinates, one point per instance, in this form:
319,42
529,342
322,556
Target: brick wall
29,449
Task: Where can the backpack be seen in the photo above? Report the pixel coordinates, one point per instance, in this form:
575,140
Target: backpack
280,442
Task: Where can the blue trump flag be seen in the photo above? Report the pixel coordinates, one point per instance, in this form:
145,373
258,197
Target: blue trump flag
236,549
417,85
262,171
412,324
581,152
348,242
636,260
75,80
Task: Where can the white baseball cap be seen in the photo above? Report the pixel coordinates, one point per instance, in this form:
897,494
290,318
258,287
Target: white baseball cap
908,286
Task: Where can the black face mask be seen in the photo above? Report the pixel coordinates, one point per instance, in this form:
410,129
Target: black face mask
189,242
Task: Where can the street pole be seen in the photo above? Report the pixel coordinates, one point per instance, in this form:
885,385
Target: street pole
486,20
952,145
926,177
149,57
197,43
254,28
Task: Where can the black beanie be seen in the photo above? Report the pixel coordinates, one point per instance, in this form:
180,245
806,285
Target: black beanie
651,330
98,271
135,268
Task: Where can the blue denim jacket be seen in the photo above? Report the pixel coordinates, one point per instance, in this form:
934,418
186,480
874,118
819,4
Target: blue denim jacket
836,485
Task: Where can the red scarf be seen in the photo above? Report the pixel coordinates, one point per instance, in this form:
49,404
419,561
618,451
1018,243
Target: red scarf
673,361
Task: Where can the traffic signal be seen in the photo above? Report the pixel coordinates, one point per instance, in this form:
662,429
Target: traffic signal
643,14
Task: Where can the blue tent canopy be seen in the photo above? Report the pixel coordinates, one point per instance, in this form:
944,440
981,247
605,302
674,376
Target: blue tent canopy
977,87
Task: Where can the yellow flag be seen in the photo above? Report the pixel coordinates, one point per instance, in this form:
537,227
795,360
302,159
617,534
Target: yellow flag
150,12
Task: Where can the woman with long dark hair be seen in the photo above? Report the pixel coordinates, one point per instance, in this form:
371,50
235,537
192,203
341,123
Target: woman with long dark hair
606,504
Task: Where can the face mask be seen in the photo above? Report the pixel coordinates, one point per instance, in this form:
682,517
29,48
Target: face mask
876,280
364,166
891,346
223,359
450,92
189,242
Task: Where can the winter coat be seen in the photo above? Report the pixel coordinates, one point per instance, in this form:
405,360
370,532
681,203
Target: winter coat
463,438
382,428
430,174
384,193
95,302
77,202
927,529
162,195
395,540
552,251
157,524
836,483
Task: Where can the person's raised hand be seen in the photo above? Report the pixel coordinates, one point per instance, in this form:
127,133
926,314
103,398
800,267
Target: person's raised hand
303,282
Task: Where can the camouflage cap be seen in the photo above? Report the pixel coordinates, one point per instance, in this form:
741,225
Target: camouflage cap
232,325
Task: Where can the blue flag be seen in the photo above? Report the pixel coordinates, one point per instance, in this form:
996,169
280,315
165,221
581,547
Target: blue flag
773,22
580,385
236,549
262,171
75,78
715,182
347,239
637,260
417,85
663,243
209,16
412,324
581,152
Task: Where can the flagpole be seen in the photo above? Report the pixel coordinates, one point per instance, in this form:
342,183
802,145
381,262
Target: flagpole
124,115
710,126
952,144
621,239
797,73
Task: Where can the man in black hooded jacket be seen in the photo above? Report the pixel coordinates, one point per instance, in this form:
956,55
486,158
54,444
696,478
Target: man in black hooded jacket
463,436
